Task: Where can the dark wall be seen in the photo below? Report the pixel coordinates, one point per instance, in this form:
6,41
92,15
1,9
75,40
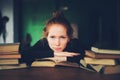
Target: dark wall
34,16
17,20
97,20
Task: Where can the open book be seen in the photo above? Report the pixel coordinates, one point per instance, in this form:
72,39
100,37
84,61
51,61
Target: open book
49,62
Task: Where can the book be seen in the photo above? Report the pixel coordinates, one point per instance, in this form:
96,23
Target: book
9,47
85,66
89,60
102,69
14,66
106,69
110,69
10,56
93,54
96,68
106,51
52,63
91,67
8,61
13,52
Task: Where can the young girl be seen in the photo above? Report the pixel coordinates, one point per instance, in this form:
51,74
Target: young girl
57,43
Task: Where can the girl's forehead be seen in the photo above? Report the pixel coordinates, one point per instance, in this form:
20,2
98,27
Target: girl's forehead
57,27
57,30
54,26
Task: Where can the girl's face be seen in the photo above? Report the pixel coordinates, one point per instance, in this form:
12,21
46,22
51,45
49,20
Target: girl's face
57,37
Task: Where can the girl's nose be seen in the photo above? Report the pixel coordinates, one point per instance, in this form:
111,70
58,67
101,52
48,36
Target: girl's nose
57,42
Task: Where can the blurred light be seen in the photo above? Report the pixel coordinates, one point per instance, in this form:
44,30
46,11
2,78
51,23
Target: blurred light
64,8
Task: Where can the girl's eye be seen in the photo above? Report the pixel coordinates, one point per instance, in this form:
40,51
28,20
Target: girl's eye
52,36
63,37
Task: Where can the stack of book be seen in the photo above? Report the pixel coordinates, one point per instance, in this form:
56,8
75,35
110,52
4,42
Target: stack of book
104,61
9,56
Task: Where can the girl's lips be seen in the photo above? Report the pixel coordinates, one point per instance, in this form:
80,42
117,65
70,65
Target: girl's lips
57,49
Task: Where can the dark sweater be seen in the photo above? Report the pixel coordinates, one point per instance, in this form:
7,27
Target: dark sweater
42,50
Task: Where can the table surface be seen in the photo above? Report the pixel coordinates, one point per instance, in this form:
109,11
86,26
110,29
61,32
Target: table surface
54,73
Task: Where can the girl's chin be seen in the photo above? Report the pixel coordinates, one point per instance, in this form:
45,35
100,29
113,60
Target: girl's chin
57,51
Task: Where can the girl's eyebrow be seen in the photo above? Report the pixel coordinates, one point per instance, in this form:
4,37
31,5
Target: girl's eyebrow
64,36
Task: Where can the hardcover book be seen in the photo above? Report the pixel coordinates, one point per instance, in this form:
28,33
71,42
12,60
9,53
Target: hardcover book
52,63
8,61
10,47
106,51
110,69
89,60
10,56
93,54
13,66
104,69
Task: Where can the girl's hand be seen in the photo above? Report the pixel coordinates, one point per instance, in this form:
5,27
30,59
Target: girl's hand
57,59
62,56
65,54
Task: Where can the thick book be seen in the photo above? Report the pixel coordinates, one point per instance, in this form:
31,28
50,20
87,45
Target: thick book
13,66
10,56
104,69
89,60
110,69
93,54
9,47
52,63
7,52
106,51
86,66
8,61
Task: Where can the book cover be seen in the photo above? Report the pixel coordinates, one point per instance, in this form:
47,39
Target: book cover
89,60
11,47
13,66
93,54
105,69
110,69
7,52
96,68
102,69
10,56
52,63
8,61
86,66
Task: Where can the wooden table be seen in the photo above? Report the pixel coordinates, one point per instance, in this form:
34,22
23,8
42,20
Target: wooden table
54,73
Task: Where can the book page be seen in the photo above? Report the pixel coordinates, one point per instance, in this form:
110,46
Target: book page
51,62
67,64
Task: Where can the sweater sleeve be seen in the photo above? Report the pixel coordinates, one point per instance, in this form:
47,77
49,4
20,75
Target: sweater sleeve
77,47
39,50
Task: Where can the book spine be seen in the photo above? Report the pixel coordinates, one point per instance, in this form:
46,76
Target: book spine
10,56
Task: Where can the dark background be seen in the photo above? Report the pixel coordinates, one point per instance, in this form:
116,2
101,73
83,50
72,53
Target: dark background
98,21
